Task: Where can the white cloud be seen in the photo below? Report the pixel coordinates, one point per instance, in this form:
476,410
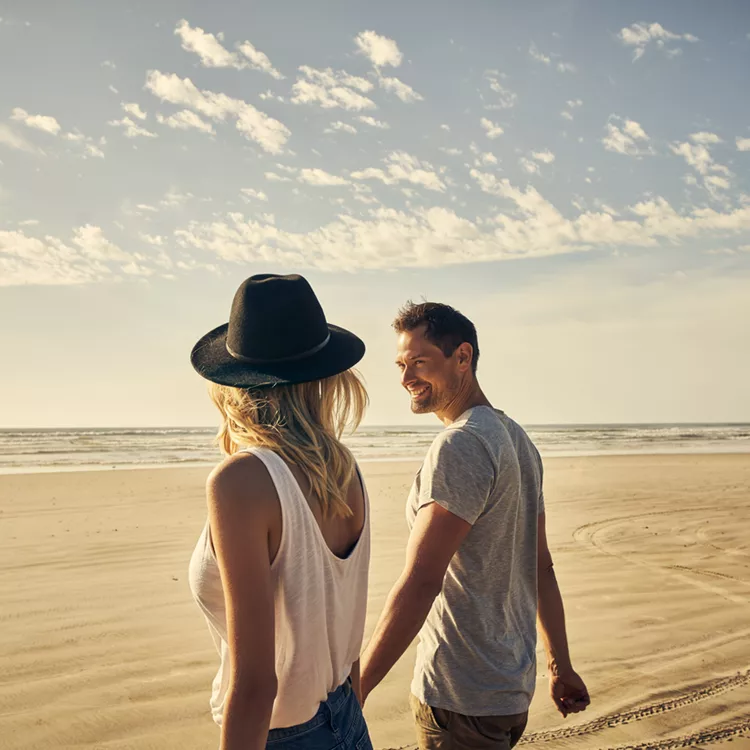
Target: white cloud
269,95
331,88
503,98
341,126
446,128
373,123
566,67
175,199
209,49
28,260
113,89
487,158
403,91
537,55
379,49
186,119
640,35
44,123
132,108
402,167
256,194
705,138
698,156
450,151
259,60
546,156
152,239
28,223
629,138
108,64
529,166
320,178
743,144
492,129
132,129
273,177
93,244
269,134
10,138
571,104
432,237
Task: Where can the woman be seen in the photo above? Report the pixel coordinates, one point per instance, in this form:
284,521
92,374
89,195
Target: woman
280,570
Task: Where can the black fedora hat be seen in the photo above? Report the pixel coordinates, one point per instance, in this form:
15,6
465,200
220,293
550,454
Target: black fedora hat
277,334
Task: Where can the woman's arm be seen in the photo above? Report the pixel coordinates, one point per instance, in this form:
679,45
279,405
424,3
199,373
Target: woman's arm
241,499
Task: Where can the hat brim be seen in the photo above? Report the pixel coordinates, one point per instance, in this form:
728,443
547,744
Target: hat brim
213,362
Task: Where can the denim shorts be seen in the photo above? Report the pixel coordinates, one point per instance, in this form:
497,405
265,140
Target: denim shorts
338,725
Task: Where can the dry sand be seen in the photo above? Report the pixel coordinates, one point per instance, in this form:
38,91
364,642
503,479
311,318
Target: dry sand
101,645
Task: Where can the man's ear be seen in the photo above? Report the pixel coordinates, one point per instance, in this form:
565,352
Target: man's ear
464,355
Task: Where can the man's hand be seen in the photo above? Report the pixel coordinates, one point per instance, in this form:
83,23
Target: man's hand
568,692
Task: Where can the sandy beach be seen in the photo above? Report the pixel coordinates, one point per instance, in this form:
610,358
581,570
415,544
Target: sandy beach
102,646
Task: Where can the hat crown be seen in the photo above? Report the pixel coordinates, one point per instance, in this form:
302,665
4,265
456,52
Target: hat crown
275,318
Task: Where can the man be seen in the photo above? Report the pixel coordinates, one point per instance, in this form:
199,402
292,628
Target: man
477,541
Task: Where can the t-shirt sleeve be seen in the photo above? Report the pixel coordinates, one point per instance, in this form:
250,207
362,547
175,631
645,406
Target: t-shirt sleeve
540,507
457,474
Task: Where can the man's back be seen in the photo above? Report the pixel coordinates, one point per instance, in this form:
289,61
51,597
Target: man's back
476,654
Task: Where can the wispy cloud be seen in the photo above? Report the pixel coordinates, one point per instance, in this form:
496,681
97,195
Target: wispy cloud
627,138
373,123
641,35
270,134
331,88
249,193
492,129
131,129
213,54
320,178
132,108
343,127
501,97
402,167
259,60
185,119
14,140
402,90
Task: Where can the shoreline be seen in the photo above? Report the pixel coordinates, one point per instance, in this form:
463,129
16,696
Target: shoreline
86,468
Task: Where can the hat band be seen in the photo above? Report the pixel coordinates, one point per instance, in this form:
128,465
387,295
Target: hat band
256,361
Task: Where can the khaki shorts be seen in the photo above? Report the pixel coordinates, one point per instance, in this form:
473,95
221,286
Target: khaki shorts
439,729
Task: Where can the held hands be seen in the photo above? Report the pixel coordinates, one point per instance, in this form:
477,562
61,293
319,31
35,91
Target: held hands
568,691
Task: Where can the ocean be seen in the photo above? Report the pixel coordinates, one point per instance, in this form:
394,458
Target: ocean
33,450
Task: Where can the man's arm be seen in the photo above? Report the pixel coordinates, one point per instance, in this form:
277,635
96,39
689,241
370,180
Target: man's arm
434,539
566,688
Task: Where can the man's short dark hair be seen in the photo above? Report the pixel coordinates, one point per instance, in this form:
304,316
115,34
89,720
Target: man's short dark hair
445,327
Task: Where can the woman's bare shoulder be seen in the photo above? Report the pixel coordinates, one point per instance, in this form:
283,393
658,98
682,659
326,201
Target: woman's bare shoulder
239,478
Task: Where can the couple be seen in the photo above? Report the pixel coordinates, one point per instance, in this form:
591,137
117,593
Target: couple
280,571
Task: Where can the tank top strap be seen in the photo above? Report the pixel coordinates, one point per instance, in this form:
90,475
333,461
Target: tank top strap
286,485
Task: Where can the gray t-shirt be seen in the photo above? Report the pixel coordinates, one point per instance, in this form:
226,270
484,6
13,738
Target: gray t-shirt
477,648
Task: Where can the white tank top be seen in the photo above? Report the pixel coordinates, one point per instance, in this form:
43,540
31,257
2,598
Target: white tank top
320,602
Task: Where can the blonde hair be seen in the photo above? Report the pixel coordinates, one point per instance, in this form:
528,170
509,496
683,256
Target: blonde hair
303,423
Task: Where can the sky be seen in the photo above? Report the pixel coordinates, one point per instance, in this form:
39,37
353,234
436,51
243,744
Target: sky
573,176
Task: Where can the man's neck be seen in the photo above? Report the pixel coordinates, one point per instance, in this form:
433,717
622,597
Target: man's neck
463,401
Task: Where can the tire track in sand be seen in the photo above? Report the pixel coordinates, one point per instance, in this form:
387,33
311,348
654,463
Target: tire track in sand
703,692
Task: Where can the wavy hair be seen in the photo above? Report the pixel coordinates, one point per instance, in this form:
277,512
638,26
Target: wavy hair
303,423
